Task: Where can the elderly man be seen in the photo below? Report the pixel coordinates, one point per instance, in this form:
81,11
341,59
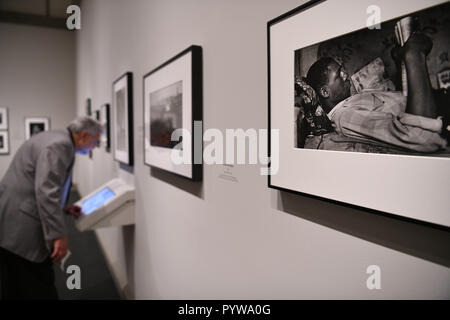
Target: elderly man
385,117
32,194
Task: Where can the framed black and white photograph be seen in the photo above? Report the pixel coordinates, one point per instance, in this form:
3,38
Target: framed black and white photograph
104,120
122,119
3,118
172,109
36,125
369,108
4,142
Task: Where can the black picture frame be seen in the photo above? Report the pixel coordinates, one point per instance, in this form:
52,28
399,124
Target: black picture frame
403,207
35,125
88,107
106,124
4,143
4,118
187,114
122,119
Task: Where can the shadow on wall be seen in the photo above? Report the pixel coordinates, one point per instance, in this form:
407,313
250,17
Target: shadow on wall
129,169
128,241
193,187
422,241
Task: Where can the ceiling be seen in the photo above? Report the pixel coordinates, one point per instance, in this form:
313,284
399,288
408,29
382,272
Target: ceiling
45,13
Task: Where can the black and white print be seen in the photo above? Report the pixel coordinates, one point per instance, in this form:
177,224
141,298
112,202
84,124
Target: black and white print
122,119
166,115
121,125
36,125
3,118
4,143
104,120
360,115
352,92
173,113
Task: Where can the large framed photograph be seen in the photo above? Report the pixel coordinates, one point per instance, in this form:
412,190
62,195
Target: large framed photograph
35,125
173,115
122,118
105,139
4,142
3,118
359,107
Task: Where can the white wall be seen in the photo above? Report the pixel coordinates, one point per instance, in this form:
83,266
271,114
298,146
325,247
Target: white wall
37,78
232,240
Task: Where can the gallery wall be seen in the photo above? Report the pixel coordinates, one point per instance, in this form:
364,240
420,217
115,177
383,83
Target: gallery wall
37,79
230,236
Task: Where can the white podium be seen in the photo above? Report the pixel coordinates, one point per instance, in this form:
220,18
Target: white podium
111,205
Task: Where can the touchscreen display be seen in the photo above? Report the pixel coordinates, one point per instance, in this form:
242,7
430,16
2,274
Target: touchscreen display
95,201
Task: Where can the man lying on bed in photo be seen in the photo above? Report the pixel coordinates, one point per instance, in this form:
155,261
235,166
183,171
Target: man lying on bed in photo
385,121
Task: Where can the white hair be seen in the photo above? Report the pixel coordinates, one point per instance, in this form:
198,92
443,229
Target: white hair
85,123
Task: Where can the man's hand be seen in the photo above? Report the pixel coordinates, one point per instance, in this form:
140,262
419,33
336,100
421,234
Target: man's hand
418,42
59,249
73,210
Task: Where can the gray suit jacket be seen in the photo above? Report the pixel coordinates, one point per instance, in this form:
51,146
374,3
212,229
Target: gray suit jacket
33,192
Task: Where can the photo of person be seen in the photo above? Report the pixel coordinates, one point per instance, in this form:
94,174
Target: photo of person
377,91
34,126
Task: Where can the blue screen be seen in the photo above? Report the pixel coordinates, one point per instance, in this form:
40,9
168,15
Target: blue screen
95,201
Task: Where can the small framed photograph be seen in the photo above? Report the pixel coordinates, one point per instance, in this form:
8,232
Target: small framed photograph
88,107
35,125
358,108
173,113
122,118
104,120
3,118
4,142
